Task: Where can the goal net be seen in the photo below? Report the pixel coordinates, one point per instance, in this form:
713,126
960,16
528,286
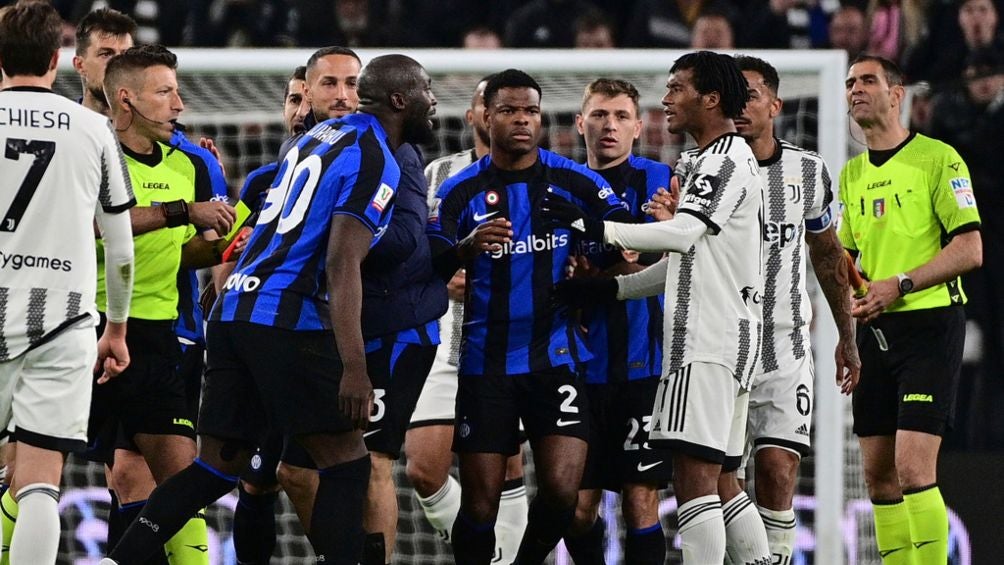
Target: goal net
235,97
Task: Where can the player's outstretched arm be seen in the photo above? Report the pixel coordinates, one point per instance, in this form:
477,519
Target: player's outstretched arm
113,356
348,243
649,282
678,234
827,256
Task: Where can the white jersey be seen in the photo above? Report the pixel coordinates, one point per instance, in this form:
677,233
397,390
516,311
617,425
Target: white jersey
436,173
714,291
61,161
797,198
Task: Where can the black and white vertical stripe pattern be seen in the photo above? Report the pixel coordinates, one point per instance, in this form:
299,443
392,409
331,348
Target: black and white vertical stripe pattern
681,312
4,301
676,397
776,197
36,314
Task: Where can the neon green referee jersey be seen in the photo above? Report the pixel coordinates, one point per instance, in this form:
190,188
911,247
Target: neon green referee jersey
165,175
899,215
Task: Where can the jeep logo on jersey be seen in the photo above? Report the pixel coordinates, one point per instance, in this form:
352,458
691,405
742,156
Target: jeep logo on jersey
242,283
779,234
531,244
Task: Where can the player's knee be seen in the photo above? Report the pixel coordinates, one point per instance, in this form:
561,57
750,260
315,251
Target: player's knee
424,478
641,505
914,473
294,479
586,514
776,474
480,509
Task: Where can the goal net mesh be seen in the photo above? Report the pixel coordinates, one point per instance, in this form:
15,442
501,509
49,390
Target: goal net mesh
241,111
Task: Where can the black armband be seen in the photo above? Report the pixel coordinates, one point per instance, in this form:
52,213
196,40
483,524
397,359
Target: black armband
175,213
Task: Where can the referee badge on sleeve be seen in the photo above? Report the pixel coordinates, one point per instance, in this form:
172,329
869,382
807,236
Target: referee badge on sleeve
963,190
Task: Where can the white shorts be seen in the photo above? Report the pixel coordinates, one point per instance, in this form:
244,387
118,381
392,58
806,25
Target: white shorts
780,413
46,393
701,410
437,404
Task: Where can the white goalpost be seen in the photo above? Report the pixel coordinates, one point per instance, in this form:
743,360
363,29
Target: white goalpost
235,96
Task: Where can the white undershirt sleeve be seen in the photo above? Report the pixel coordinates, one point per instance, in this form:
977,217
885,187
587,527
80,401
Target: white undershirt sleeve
648,282
678,234
116,231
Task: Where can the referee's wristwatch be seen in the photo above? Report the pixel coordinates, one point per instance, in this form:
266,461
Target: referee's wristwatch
905,284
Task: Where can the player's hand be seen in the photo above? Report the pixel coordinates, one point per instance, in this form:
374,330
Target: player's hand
355,398
208,144
562,213
579,292
663,204
880,295
848,364
489,236
457,285
214,215
579,266
113,355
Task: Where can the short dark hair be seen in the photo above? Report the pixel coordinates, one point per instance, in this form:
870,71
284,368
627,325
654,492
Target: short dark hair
135,59
761,67
610,88
104,20
330,50
30,32
893,74
509,78
592,19
714,72
299,73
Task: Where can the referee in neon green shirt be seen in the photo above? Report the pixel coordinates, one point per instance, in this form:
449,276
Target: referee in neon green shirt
910,217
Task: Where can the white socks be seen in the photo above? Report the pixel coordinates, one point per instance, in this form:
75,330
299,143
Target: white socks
441,508
780,526
36,537
511,522
702,531
746,539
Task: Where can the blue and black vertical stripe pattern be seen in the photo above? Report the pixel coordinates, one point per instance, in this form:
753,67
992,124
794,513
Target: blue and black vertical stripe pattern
210,184
340,167
625,337
510,327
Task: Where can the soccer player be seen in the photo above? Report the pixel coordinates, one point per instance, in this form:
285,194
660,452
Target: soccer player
712,278
911,219
519,355
254,516
298,282
797,213
430,434
101,35
65,170
626,341
151,411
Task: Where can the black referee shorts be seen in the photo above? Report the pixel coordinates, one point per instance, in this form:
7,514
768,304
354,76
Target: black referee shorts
912,384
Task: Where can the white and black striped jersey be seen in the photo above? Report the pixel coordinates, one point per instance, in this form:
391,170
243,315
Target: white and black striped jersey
61,166
435,173
797,197
714,291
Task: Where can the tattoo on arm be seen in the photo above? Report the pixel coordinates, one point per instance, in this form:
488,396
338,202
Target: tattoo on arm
828,261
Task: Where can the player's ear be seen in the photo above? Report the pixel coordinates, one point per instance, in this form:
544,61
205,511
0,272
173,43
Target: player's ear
897,94
712,99
398,101
78,63
578,124
775,107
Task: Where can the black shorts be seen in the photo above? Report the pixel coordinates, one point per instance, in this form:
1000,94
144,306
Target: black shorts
912,385
261,377
489,409
398,372
619,452
149,397
190,369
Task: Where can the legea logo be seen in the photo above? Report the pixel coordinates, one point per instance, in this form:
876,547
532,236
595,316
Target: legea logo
531,244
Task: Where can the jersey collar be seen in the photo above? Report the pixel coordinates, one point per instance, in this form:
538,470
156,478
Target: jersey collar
880,157
27,89
775,157
151,159
617,175
716,140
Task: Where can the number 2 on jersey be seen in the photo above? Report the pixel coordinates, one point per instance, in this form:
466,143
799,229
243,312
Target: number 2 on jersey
42,152
278,195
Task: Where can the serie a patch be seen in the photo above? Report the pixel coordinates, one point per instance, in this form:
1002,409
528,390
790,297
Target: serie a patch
963,190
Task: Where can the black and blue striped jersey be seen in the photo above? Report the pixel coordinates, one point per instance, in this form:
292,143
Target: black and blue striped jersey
208,171
625,337
341,166
510,326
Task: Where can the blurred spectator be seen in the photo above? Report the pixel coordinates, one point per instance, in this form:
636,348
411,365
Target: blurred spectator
765,23
661,23
896,26
157,21
921,106
974,26
444,23
712,30
247,23
545,23
970,117
593,31
482,37
848,31
351,23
